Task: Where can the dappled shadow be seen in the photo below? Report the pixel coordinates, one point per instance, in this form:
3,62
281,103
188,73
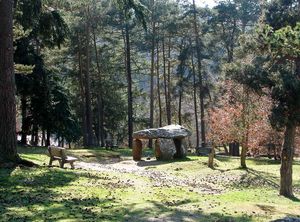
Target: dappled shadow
255,161
296,162
248,177
104,156
290,218
185,159
32,150
267,161
266,208
21,187
95,208
297,186
147,163
167,212
268,178
6,172
73,209
294,199
49,178
100,155
88,153
226,158
264,161
30,195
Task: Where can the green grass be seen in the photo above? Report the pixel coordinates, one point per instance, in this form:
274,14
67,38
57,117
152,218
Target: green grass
226,193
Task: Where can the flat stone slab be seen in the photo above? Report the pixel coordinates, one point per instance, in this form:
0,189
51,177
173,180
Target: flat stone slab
167,132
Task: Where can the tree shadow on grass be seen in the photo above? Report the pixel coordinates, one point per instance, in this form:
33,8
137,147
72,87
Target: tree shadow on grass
5,173
255,161
73,209
264,161
39,195
162,212
21,186
28,195
149,163
32,150
226,158
266,178
266,208
294,199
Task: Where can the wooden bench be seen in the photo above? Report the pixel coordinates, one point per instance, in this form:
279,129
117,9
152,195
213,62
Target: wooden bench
58,153
204,151
111,144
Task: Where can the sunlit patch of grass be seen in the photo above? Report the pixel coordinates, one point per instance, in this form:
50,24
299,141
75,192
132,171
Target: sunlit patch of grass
54,194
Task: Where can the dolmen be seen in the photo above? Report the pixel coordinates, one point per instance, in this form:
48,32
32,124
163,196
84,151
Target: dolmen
169,142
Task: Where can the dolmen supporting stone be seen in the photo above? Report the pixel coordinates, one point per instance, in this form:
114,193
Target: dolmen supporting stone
169,142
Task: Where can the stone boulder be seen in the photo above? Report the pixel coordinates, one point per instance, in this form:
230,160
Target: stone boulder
181,148
167,132
169,143
168,149
164,149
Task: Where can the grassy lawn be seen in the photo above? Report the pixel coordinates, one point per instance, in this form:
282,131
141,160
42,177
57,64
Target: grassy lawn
226,193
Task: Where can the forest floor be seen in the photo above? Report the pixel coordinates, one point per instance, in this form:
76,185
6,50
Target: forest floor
109,186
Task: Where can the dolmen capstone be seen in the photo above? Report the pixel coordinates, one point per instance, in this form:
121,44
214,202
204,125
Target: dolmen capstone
169,142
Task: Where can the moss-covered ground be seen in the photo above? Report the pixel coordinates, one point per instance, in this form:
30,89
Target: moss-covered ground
108,186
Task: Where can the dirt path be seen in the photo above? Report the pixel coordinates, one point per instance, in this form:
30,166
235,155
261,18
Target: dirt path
158,178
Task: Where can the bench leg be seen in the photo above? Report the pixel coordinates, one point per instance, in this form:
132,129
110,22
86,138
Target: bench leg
61,163
72,165
50,162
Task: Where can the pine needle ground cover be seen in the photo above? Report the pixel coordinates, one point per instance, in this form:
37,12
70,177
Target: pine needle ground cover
109,186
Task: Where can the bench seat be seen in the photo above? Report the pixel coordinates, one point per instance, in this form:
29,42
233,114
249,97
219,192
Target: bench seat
58,153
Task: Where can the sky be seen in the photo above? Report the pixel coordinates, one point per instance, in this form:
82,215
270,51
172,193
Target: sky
203,3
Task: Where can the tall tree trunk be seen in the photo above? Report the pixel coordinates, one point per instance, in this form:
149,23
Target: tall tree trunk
152,76
297,63
8,146
203,134
211,156
36,135
59,141
129,85
244,150
82,93
245,122
195,102
88,102
287,154
43,138
165,74
179,107
32,135
48,138
169,114
100,120
99,97
225,149
24,120
158,84
229,54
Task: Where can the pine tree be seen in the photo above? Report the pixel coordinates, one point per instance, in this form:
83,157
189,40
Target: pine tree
8,149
